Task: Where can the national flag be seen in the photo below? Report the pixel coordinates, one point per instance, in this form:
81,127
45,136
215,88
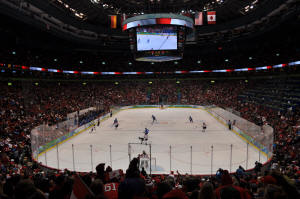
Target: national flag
199,19
123,18
113,21
80,189
211,17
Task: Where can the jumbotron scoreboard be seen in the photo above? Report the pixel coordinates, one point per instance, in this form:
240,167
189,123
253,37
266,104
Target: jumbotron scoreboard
158,37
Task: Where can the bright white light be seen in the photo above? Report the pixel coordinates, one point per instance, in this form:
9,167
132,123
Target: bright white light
75,12
95,1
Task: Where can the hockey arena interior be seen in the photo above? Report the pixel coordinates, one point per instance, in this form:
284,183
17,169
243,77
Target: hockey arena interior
151,99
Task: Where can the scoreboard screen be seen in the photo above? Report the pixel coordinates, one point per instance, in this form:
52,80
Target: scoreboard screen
156,38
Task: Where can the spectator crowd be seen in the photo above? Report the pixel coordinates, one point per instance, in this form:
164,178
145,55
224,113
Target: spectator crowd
25,105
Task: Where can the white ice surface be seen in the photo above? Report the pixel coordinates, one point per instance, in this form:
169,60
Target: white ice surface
172,129
156,42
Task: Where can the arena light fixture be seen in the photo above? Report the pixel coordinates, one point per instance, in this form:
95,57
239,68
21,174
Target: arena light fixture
95,1
103,63
36,83
198,62
74,11
175,62
249,7
13,52
55,60
9,84
84,83
277,54
116,83
212,81
150,82
177,82
246,81
250,58
81,62
130,63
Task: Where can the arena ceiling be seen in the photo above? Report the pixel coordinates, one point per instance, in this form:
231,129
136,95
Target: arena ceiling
93,15
75,20
95,11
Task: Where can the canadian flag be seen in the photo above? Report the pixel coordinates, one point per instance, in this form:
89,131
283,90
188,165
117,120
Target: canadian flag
80,189
211,17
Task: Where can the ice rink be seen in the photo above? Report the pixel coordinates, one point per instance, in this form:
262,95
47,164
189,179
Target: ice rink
176,144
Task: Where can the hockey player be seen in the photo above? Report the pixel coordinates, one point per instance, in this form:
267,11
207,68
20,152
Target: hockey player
146,131
203,127
115,121
153,119
93,129
146,135
116,125
145,138
98,122
229,124
191,119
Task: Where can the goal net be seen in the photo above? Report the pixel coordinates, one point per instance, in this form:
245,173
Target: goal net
142,151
